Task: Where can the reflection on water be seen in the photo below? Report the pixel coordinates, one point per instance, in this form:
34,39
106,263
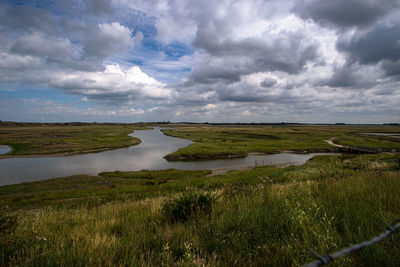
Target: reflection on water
395,135
147,155
4,149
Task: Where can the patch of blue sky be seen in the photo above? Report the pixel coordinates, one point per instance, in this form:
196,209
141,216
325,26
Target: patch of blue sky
177,50
152,49
44,4
47,93
153,57
151,44
52,6
136,21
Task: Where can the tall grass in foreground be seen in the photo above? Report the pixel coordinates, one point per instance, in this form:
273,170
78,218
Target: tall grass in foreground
267,223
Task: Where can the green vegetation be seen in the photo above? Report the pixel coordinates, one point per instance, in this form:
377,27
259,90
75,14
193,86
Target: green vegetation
257,217
188,205
369,141
263,216
75,190
39,139
237,141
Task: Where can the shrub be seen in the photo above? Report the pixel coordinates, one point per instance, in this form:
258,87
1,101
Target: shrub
7,221
188,205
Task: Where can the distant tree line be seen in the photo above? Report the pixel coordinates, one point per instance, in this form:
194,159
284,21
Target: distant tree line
12,123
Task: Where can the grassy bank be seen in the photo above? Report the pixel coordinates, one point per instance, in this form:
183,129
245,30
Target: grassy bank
262,216
58,139
231,141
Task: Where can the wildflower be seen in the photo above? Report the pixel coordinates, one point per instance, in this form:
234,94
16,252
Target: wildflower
41,238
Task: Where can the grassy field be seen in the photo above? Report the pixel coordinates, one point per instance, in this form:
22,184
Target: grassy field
223,141
40,139
257,217
210,141
265,216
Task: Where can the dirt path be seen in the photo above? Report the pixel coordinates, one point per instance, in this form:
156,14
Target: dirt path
332,143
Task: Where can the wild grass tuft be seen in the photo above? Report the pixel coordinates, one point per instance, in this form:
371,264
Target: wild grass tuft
189,205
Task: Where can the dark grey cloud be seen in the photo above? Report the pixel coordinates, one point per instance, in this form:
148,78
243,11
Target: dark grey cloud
52,51
39,45
391,68
26,19
268,82
352,76
103,40
342,77
68,39
380,43
226,69
344,13
230,59
286,51
253,94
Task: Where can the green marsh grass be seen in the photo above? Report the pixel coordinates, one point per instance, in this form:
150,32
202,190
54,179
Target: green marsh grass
264,216
224,141
66,139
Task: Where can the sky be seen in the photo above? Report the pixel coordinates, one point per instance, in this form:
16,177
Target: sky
311,61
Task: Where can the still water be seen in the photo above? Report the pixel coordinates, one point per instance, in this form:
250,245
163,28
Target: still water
147,155
395,135
4,149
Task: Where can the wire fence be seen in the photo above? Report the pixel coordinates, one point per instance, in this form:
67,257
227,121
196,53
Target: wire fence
328,258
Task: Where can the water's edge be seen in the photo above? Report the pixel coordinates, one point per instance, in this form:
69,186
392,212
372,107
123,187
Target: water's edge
149,154
4,149
394,135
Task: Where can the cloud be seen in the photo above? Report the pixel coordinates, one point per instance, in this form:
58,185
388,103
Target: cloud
37,44
113,85
283,51
250,89
382,42
51,51
379,46
353,76
40,48
26,19
344,13
391,68
18,62
106,39
235,60
277,46
268,82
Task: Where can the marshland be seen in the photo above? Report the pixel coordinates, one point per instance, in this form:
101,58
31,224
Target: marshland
260,215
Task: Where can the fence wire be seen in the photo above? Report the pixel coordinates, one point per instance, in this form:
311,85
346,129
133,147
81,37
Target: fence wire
328,258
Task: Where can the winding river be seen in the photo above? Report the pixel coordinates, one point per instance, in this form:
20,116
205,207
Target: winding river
147,155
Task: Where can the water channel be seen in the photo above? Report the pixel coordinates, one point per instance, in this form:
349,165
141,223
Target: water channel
147,155
394,135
